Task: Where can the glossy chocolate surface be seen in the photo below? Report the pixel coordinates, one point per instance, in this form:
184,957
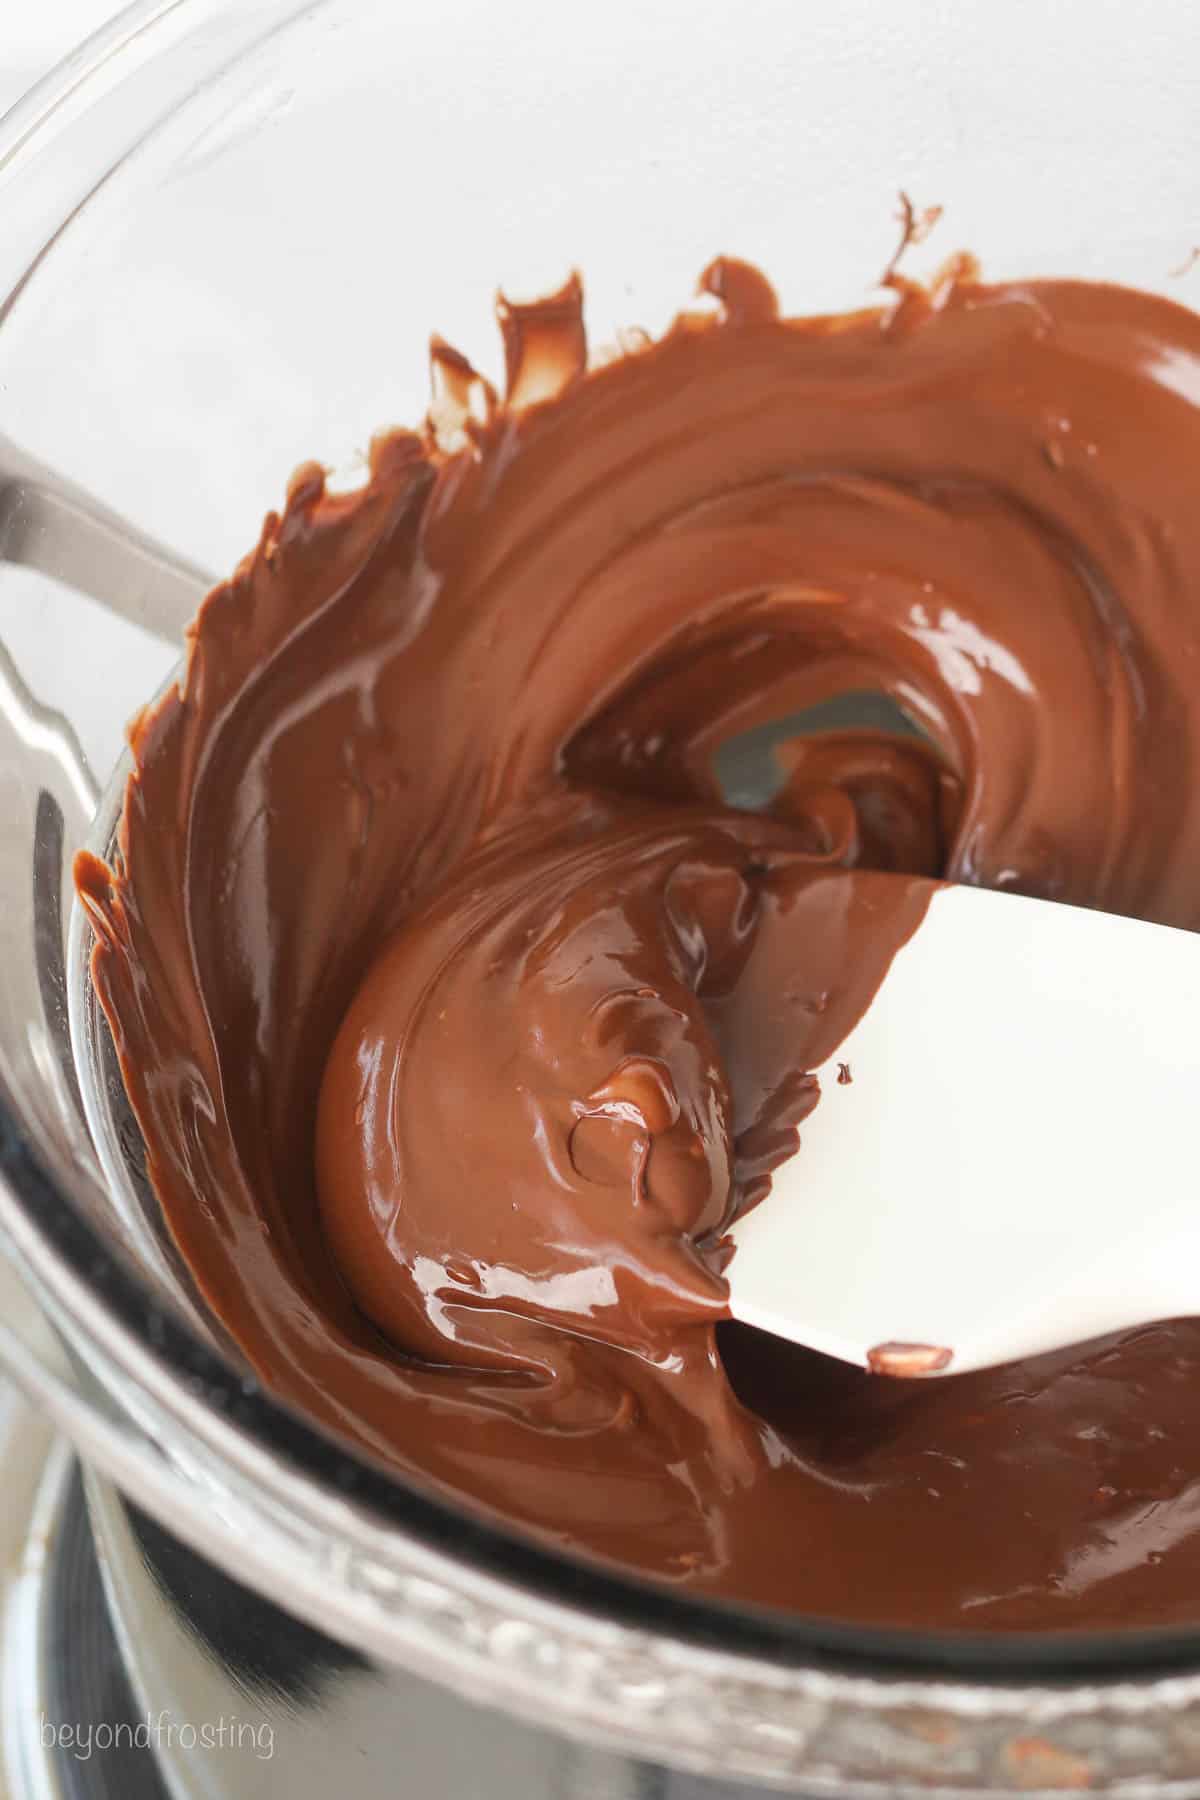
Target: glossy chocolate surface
462,1012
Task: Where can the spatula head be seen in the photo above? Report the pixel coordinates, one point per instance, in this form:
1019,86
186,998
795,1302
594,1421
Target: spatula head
1007,1162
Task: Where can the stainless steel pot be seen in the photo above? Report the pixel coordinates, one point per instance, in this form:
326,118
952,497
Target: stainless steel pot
228,228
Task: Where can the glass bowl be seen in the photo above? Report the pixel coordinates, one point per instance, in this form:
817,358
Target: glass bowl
230,226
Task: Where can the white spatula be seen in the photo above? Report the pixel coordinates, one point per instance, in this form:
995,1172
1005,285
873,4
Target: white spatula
1012,1166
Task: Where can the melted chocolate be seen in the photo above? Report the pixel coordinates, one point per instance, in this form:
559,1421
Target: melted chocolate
461,1014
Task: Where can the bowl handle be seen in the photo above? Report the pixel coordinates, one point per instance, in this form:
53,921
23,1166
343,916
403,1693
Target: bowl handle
49,524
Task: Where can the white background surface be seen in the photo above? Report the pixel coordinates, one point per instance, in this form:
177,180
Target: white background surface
32,38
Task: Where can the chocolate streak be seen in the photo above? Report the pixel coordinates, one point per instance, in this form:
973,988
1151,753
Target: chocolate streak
461,1013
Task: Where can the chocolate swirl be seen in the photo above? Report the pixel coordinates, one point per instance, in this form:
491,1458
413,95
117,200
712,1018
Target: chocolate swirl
462,1011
